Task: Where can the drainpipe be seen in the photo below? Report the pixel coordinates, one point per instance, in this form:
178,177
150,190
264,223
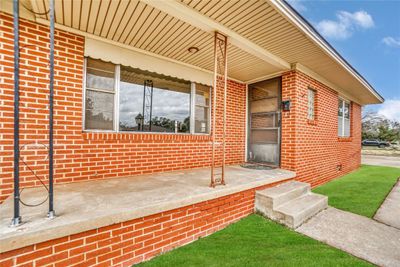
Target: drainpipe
51,214
17,218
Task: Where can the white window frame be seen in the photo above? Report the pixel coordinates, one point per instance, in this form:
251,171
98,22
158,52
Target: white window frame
344,102
116,107
116,92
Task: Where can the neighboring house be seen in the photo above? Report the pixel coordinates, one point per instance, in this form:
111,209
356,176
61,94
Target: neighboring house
292,101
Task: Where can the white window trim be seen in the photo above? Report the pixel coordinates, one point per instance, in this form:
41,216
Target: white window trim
116,108
342,135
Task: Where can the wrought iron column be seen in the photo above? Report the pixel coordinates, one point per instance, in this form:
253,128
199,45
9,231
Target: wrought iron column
51,213
220,75
147,104
17,218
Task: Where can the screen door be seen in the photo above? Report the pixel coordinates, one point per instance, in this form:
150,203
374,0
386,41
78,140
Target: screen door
264,122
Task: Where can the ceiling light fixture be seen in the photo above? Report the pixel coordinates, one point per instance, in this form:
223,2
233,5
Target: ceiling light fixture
193,49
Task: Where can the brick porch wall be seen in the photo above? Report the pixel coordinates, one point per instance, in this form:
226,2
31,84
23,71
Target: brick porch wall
312,148
84,156
124,244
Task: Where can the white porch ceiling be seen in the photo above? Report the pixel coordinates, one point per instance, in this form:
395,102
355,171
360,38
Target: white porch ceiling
137,24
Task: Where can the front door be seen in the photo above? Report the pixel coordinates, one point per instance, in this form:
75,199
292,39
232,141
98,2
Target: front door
264,122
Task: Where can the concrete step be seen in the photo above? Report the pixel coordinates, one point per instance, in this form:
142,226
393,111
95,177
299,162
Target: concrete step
293,213
276,196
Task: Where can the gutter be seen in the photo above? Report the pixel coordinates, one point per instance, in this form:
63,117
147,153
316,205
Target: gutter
300,22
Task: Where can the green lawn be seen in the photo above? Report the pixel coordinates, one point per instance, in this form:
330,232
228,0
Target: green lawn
255,241
362,191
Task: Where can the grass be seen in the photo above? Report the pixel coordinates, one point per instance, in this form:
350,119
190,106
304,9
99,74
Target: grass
361,192
255,241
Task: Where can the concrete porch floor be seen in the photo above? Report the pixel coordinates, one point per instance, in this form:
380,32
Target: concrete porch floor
88,205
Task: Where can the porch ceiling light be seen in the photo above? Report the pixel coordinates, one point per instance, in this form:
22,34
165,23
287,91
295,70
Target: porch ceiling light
193,50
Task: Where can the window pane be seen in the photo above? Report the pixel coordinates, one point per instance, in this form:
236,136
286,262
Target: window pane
340,126
346,127
99,111
171,110
201,119
130,105
340,109
202,110
169,103
202,95
347,110
100,75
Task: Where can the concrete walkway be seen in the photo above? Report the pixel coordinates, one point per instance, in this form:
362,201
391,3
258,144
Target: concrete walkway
389,212
381,160
360,236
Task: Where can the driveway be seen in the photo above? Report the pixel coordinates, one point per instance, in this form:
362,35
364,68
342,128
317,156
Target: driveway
381,160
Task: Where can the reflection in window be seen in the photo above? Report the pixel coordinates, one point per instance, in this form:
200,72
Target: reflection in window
147,102
202,109
165,108
343,118
99,99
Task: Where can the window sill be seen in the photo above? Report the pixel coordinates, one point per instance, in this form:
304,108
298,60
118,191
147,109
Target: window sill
345,139
135,136
311,122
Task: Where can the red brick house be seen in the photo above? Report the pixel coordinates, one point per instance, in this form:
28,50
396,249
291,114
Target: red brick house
134,102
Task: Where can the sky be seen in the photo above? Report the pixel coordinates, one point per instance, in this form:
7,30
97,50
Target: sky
367,35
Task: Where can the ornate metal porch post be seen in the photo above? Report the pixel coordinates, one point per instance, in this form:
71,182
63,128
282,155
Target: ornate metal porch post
220,76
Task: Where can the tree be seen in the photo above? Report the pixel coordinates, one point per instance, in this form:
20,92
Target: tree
375,126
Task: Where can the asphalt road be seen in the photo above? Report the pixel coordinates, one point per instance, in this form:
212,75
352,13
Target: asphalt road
380,160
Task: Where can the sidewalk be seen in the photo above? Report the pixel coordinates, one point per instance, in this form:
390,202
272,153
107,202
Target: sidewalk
381,160
389,212
360,236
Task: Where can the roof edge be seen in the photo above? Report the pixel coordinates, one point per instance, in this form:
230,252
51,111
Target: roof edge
300,22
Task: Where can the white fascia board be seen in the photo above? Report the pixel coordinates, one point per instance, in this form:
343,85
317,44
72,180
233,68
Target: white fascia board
194,18
296,20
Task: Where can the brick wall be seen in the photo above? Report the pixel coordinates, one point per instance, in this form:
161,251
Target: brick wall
312,148
124,244
84,156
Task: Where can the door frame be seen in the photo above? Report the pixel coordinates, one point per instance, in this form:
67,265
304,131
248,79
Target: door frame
248,119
